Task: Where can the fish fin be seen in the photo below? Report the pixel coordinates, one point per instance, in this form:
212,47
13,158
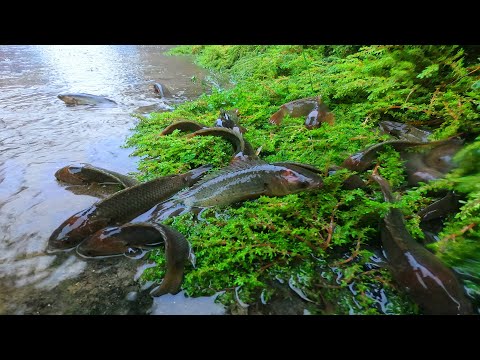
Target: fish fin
297,164
236,165
289,175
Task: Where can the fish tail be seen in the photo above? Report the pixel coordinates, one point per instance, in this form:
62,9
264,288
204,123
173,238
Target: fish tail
277,117
170,284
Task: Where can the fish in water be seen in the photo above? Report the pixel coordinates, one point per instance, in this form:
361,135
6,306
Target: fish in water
432,285
239,181
88,174
85,99
313,108
404,131
128,238
120,207
161,90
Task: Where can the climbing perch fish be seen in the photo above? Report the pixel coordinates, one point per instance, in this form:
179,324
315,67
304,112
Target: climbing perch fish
239,181
182,125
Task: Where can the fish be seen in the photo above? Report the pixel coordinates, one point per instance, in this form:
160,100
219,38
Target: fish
76,174
429,283
161,90
119,241
84,99
229,119
234,137
120,207
441,156
352,182
313,108
433,164
404,131
364,159
448,204
433,216
241,180
182,125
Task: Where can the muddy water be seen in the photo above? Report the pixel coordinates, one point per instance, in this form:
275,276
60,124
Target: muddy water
38,135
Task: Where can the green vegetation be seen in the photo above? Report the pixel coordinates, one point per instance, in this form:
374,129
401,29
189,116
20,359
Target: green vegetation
325,242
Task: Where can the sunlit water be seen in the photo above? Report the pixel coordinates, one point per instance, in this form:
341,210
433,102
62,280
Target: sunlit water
38,135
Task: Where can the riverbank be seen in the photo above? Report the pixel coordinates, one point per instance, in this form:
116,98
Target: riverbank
322,246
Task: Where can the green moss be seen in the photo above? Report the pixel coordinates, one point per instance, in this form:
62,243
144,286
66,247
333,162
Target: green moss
322,240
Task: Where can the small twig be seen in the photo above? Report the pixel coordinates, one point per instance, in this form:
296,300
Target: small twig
270,89
414,108
410,93
265,267
367,118
461,77
351,257
437,90
331,227
450,111
461,232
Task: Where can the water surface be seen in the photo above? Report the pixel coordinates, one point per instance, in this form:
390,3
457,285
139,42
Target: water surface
40,134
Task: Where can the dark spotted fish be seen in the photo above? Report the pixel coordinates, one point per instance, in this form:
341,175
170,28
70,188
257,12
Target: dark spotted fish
364,159
432,164
234,137
229,119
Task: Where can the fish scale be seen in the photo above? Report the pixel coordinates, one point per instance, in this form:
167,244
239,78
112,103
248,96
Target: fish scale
239,181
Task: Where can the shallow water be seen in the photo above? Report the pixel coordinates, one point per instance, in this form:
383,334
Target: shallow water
40,134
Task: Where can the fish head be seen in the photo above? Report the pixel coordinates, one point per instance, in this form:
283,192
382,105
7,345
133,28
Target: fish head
67,99
118,240
103,243
311,120
441,156
70,174
74,230
293,179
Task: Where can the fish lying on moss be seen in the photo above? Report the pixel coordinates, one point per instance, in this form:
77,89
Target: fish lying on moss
432,285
